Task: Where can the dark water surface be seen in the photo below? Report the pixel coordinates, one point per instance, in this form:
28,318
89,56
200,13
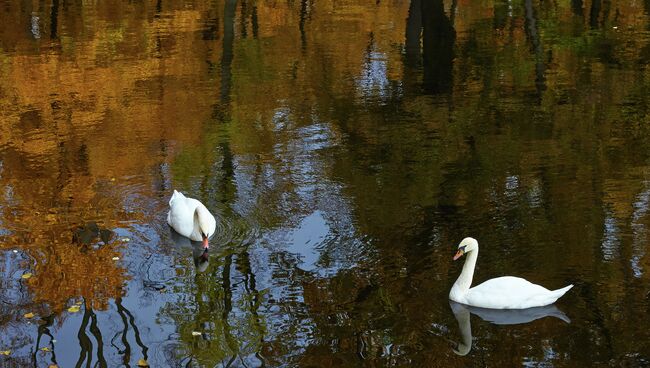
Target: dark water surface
346,147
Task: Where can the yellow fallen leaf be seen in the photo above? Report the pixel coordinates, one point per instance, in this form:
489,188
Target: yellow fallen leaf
73,309
142,363
28,315
52,366
45,348
26,275
5,352
196,333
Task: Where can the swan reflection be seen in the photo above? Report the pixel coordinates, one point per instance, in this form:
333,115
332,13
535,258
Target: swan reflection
199,254
497,317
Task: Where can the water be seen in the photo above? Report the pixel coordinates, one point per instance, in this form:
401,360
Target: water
345,149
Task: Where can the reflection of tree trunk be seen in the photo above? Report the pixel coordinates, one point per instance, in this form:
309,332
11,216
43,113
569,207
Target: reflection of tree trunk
244,263
84,341
301,24
43,329
227,307
243,19
533,35
438,47
136,332
54,19
228,43
254,25
94,330
227,185
594,13
413,32
576,7
125,341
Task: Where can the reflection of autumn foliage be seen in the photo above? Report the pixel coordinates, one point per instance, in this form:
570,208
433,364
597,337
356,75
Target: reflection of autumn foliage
64,271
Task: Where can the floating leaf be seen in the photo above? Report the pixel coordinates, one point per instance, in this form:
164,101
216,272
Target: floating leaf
73,309
29,315
196,333
116,258
142,363
45,348
5,352
52,366
125,240
53,341
26,275
15,251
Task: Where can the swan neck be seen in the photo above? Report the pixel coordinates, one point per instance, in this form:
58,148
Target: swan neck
464,281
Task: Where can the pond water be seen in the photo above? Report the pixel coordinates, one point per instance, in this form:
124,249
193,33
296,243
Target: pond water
345,147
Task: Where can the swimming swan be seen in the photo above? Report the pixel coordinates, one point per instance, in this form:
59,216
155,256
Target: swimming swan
190,218
505,292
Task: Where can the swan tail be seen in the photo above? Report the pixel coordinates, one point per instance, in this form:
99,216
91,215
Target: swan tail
557,294
175,195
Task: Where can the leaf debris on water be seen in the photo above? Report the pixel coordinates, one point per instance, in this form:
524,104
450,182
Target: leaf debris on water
73,309
116,258
45,348
28,315
142,363
5,352
196,333
26,275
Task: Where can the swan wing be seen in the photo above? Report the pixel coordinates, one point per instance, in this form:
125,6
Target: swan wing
181,214
509,292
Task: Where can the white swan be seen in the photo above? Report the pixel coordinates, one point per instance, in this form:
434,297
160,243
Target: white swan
500,293
190,218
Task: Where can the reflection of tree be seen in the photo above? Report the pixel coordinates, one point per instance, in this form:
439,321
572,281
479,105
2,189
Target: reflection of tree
44,329
438,37
413,32
428,22
128,319
535,40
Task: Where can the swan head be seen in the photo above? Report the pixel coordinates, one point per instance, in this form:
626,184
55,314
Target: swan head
466,245
203,221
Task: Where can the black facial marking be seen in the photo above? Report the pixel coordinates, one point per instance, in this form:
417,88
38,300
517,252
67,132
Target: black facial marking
463,248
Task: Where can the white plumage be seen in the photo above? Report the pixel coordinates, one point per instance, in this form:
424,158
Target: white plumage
505,292
190,218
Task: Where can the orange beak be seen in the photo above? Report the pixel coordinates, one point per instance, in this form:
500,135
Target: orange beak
205,243
458,254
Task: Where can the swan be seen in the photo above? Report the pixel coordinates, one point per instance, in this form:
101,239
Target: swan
505,292
190,218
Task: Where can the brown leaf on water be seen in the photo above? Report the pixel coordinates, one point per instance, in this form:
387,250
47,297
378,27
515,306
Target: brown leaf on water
5,352
74,309
142,363
52,366
45,348
26,275
29,315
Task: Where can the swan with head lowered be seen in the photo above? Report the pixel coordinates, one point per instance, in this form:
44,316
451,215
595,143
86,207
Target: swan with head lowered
190,218
505,292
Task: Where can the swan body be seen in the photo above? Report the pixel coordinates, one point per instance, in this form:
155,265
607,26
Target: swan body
505,292
190,218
